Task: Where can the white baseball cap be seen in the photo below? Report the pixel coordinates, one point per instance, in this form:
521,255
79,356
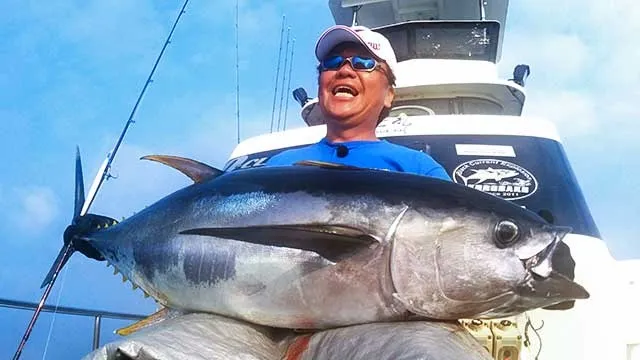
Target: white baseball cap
377,44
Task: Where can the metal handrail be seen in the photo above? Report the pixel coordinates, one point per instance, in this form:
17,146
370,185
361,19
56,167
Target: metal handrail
96,314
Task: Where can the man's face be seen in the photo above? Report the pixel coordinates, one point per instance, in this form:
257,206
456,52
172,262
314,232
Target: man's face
351,98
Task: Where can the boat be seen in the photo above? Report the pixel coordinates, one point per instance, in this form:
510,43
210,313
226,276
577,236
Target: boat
450,103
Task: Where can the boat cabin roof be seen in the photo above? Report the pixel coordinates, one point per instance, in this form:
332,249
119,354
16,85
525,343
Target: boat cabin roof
382,13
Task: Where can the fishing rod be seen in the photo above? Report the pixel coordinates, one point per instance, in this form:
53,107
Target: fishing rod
82,209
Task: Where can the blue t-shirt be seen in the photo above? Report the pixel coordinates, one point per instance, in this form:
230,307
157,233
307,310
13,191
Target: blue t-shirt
372,154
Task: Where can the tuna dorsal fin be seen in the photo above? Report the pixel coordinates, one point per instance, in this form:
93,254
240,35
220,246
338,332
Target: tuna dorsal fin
333,242
325,164
195,170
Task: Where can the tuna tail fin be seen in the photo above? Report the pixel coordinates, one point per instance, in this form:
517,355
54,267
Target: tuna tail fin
66,251
79,194
81,225
74,240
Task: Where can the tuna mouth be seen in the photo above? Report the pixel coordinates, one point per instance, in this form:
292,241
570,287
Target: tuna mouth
542,263
543,280
556,288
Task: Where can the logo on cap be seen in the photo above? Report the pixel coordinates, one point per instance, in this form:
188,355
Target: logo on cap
374,46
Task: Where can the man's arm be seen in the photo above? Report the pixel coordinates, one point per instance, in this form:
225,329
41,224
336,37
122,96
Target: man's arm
439,172
429,167
279,159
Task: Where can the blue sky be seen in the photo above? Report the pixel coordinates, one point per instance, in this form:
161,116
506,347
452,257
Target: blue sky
73,69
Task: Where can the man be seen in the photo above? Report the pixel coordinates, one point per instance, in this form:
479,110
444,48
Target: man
355,90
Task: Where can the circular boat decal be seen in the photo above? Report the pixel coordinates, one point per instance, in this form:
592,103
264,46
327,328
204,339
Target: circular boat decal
496,177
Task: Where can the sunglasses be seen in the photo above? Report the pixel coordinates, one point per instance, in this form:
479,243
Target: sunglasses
358,63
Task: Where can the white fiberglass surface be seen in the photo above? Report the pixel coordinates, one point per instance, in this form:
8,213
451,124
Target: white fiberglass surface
601,327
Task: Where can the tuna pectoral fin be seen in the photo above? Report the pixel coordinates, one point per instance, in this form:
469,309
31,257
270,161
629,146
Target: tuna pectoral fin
333,242
195,170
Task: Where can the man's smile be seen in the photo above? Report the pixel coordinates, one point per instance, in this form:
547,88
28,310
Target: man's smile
344,91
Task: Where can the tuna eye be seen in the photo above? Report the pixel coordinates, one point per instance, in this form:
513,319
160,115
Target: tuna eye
506,232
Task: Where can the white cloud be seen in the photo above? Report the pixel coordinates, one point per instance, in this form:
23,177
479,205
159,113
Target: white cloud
584,63
574,113
35,209
594,15
554,58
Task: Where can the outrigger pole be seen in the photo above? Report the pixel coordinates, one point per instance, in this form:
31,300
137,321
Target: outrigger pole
275,91
103,173
284,75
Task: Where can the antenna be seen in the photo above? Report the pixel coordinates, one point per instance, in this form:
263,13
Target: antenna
284,75
286,106
237,74
482,4
275,91
354,20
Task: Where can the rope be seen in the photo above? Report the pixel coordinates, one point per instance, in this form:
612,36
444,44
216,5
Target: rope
527,341
55,312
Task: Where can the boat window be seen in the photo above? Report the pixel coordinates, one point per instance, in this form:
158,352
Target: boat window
448,106
471,40
411,110
477,106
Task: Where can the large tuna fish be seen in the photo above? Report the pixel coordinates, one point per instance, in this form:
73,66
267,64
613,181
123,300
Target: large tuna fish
322,245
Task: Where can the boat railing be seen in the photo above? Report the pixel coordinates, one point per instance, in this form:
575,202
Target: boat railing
97,315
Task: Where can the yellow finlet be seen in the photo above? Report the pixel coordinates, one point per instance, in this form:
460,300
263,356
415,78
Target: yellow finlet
152,319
